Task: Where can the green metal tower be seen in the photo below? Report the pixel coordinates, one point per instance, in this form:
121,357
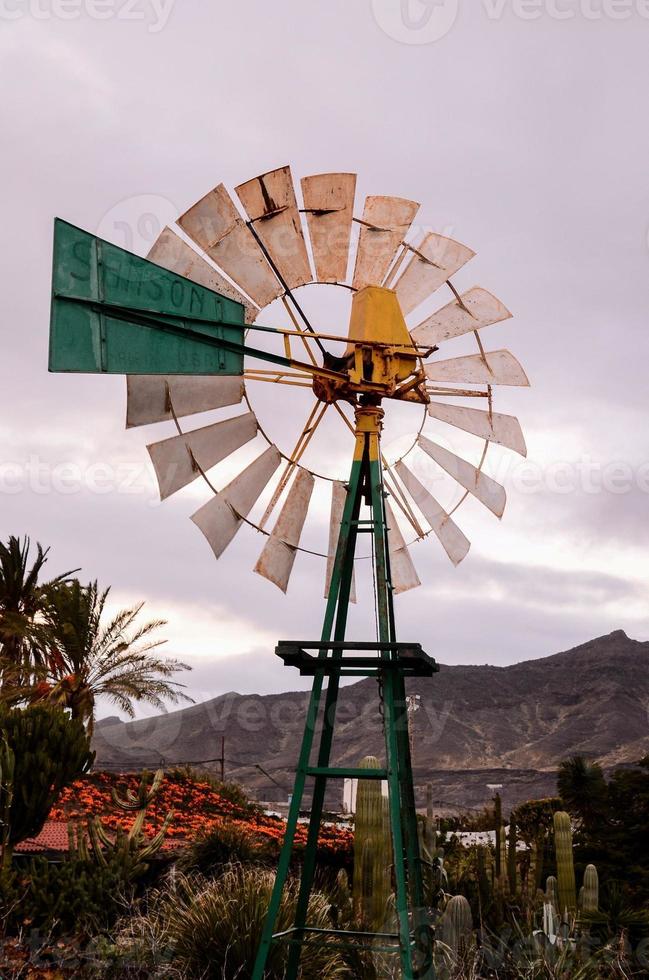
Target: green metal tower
390,662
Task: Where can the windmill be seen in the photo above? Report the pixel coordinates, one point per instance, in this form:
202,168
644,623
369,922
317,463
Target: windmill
186,327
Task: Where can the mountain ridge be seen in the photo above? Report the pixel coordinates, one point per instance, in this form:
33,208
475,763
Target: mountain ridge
519,720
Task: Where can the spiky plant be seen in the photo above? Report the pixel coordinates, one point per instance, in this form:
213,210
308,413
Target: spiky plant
213,928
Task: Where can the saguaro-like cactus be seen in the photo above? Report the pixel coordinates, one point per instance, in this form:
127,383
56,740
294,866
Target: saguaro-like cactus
498,827
530,881
565,863
7,769
590,891
456,924
511,858
129,849
372,850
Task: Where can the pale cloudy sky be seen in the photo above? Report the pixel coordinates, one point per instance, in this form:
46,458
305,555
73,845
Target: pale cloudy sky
519,126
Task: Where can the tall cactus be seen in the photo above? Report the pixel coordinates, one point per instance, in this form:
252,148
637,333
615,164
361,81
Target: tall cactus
484,882
511,858
372,850
532,868
590,890
565,863
498,827
456,925
7,771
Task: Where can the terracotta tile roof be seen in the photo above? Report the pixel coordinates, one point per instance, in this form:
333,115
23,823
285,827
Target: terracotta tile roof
54,837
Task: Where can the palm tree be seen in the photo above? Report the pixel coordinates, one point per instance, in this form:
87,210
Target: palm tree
88,657
582,787
22,600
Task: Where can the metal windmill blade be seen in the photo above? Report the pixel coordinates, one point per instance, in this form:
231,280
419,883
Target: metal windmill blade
217,227
384,225
270,203
404,575
433,262
222,516
497,367
486,490
338,497
491,426
455,543
158,397
180,459
473,310
278,555
329,205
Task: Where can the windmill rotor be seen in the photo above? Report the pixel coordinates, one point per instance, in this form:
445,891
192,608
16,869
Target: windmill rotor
263,251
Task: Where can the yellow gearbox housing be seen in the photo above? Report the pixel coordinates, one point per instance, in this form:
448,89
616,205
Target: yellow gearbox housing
376,318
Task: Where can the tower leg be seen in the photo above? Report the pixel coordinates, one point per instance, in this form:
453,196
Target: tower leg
338,602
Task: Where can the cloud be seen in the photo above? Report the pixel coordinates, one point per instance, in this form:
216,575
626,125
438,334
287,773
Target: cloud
509,155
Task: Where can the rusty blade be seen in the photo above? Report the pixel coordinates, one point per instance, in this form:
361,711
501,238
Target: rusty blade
171,252
497,367
475,309
421,278
454,542
269,201
147,401
389,219
338,498
486,490
217,227
329,203
276,559
221,517
174,460
502,429
402,570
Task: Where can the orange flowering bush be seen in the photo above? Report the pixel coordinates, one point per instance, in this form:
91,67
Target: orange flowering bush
198,806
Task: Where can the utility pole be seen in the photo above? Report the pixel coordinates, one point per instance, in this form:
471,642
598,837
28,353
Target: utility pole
222,758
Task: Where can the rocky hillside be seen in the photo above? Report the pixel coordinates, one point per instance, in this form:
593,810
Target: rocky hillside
476,726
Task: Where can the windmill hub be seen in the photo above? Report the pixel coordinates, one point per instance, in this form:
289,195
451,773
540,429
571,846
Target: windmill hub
379,352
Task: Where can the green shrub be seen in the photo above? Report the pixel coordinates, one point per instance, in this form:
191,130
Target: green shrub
222,845
72,898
